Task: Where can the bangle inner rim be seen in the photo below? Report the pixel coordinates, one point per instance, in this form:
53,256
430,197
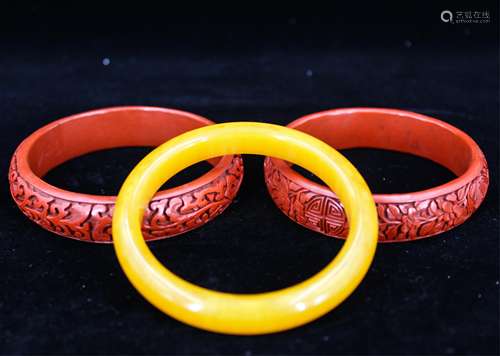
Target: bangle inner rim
100,130
396,132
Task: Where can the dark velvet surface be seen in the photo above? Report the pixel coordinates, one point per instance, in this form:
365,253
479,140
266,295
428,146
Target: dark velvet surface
435,296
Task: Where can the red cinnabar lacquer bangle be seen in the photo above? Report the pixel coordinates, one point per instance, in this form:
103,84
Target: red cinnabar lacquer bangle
88,217
402,217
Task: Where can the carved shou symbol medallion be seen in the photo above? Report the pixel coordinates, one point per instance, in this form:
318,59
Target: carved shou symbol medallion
325,213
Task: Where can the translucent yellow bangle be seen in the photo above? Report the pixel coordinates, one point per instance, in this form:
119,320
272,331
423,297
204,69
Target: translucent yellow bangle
245,313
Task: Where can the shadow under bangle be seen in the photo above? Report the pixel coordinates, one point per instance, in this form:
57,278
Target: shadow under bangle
402,217
88,217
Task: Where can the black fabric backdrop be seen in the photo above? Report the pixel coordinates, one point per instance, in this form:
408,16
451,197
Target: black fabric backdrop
435,296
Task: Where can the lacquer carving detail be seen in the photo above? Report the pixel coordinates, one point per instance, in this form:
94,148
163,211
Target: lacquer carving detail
397,221
164,217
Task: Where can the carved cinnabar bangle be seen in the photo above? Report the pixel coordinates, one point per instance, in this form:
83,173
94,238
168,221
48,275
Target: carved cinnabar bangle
88,217
402,217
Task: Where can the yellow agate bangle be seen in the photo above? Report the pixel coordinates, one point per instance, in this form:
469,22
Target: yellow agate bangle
245,314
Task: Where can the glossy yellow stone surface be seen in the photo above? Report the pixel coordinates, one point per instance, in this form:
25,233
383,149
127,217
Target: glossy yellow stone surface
245,313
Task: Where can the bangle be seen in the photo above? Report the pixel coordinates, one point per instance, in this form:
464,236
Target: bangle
402,217
88,217
245,313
